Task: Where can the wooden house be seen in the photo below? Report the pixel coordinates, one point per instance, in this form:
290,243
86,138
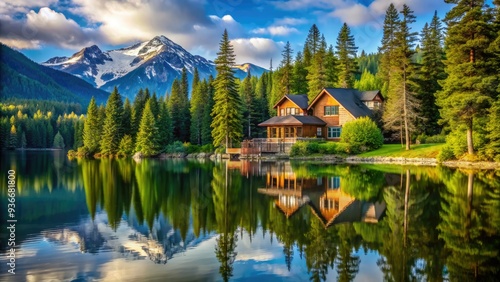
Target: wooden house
324,116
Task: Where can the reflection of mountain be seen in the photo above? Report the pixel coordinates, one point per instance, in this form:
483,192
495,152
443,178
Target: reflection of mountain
131,239
323,194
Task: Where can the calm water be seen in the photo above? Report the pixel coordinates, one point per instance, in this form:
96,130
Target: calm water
176,220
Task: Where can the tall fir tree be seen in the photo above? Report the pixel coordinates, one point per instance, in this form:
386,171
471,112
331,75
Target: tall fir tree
185,117
249,107
197,104
467,91
164,125
127,118
155,105
429,75
138,106
91,129
147,137
312,45
299,81
316,76
389,44
112,129
331,68
286,70
175,109
226,113
12,138
206,125
346,52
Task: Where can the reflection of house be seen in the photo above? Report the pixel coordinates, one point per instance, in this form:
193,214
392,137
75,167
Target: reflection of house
323,194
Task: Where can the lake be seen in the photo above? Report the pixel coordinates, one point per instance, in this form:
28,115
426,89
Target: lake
181,220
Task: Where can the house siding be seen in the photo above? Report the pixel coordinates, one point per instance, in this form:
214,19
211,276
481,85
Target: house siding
287,104
319,110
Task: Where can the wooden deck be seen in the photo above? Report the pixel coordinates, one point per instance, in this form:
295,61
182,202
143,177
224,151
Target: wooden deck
269,145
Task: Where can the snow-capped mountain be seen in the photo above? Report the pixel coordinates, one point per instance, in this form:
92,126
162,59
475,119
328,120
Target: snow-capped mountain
153,64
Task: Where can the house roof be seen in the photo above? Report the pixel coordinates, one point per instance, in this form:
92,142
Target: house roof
298,99
348,98
293,120
368,95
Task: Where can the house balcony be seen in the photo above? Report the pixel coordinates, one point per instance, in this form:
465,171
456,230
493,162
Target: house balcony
271,145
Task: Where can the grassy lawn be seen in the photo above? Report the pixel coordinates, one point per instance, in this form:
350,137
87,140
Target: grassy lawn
395,150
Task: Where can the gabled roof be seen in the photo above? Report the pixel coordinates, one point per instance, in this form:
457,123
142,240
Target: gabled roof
298,99
348,98
293,120
368,95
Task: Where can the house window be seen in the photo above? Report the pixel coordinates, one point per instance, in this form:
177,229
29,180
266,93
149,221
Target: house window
299,131
319,181
331,110
334,132
377,105
334,182
288,110
282,112
273,132
319,131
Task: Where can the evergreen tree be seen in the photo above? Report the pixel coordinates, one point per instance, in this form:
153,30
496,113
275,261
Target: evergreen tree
286,70
155,106
91,130
316,76
346,51
147,137
431,71
197,105
249,107
175,109
58,141
226,113
12,137
299,85
206,130
389,44
331,68
24,142
467,91
138,106
127,118
185,117
78,134
112,130
164,123
312,45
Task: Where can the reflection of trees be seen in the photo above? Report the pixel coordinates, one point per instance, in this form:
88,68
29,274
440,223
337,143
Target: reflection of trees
465,227
347,262
225,196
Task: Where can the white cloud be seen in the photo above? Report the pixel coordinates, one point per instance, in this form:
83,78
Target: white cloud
290,21
276,30
46,26
22,6
256,50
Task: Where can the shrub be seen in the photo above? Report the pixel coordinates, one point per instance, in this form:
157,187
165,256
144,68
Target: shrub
362,135
176,147
343,148
436,139
445,154
312,148
191,149
298,149
422,139
208,148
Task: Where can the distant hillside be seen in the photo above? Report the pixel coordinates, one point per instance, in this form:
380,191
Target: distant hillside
25,79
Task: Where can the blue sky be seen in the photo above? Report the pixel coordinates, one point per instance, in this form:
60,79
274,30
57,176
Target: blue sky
42,29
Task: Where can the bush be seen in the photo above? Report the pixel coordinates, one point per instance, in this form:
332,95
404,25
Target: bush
191,149
436,139
298,149
208,148
422,138
362,135
329,148
445,154
176,147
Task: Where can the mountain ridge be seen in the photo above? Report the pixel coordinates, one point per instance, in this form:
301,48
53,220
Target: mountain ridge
153,64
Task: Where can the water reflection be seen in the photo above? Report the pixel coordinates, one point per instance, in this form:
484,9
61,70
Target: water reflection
267,221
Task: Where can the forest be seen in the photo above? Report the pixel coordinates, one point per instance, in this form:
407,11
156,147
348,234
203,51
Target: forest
442,80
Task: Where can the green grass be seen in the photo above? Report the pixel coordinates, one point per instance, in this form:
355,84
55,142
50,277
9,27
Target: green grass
395,150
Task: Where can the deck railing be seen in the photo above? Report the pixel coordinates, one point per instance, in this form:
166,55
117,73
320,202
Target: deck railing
270,145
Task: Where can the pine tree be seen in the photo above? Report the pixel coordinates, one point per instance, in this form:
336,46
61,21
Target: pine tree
312,45
299,81
91,130
197,104
346,51
467,91
316,76
127,118
185,117
137,108
112,131
286,70
164,123
226,113
155,106
431,71
261,97
249,107
175,109
389,44
147,137
331,68
12,137
206,130
58,141
24,142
